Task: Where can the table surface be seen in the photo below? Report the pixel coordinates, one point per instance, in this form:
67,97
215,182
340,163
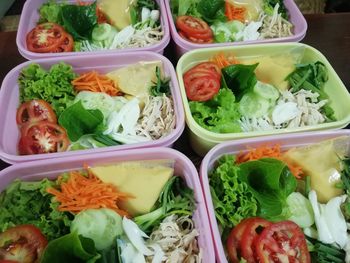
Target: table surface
329,33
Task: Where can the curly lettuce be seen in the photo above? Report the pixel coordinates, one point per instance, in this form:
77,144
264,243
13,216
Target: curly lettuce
53,86
232,198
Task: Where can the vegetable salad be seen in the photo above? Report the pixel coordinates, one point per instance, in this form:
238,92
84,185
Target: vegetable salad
88,215
95,25
275,205
209,21
229,94
61,110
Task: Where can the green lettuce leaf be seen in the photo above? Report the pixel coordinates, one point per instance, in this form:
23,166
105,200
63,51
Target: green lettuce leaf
78,121
240,78
50,12
271,181
209,8
29,203
70,248
232,198
220,114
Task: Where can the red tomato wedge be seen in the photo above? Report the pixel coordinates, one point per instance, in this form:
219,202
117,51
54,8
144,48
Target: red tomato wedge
42,137
34,111
282,242
194,29
251,232
23,243
49,37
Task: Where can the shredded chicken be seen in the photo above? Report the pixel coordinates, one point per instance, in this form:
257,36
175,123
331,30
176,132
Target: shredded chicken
157,118
177,238
309,113
274,26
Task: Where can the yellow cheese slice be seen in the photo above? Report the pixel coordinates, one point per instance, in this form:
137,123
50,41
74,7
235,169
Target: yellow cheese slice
143,180
321,162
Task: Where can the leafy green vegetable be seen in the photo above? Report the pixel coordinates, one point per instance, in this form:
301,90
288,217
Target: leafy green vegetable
271,182
209,8
70,248
53,86
269,5
79,20
311,77
161,86
106,140
101,225
50,12
29,203
225,31
220,114
345,184
79,121
232,199
184,7
240,78
325,253
175,198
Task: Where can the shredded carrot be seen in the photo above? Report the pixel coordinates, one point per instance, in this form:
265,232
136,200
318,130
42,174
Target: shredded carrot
268,152
81,192
92,81
223,61
234,13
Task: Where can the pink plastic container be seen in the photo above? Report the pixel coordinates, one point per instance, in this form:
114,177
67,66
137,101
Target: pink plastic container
295,17
30,17
9,102
233,147
51,168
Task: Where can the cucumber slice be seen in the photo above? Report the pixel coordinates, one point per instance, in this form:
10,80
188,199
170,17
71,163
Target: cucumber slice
301,210
266,91
101,32
253,106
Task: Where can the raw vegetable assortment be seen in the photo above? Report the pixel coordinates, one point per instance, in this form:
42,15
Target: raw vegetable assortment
61,110
95,25
284,206
209,21
229,95
90,215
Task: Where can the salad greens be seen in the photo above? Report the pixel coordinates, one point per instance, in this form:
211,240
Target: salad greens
78,121
325,253
175,198
50,12
269,5
220,114
271,182
161,86
29,203
210,9
79,20
70,248
54,86
232,198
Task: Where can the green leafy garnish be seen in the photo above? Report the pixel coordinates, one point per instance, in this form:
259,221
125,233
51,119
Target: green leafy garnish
161,86
209,8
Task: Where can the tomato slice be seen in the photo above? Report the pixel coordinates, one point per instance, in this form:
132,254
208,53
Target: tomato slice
234,240
202,89
67,45
34,111
282,242
192,25
251,232
47,37
210,66
42,137
23,243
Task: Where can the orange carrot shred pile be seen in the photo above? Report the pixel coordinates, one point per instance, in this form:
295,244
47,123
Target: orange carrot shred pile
84,192
268,152
234,13
223,61
92,81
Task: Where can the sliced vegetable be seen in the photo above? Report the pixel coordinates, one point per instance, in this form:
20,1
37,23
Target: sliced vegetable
34,111
266,91
252,106
300,210
101,225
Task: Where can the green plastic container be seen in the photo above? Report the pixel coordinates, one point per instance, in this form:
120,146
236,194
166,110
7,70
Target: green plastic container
203,140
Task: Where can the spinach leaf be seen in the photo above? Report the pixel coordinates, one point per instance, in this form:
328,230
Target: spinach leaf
79,20
79,121
240,78
70,248
209,8
271,182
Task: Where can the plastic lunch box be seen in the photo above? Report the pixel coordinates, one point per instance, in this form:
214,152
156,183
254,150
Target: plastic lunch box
51,168
9,101
296,18
30,17
233,147
203,140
